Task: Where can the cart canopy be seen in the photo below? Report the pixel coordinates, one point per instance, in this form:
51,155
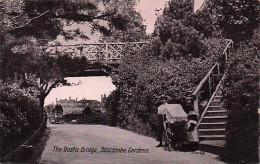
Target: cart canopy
175,113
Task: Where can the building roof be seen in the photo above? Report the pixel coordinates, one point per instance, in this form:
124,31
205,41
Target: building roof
66,101
88,101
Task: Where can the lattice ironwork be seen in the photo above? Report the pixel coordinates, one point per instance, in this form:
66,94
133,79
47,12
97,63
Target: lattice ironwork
104,52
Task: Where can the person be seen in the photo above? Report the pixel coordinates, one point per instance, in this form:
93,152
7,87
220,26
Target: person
161,109
192,131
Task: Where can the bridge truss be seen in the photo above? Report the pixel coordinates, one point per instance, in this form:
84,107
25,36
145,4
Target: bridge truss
110,53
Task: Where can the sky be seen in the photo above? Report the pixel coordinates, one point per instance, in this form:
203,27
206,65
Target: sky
90,88
147,10
93,87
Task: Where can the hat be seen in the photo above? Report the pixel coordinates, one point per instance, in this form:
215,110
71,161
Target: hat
193,113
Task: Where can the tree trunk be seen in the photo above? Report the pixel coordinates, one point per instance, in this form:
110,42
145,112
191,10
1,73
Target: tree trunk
42,99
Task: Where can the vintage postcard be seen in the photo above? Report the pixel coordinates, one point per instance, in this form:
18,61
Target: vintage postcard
129,81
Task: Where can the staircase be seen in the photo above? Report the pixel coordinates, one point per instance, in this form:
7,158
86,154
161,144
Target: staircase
212,126
212,122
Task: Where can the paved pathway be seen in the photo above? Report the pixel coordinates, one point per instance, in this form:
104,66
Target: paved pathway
74,144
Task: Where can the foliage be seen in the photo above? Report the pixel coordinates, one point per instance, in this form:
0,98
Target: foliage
19,110
178,37
58,109
241,99
45,19
87,111
133,29
173,63
112,105
25,25
235,19
28,24
49,109
142,77
203,22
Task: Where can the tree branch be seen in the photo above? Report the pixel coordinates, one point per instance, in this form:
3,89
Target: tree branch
80,17
28,21
51,87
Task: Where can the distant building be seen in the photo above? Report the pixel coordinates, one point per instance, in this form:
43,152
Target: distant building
76,107
93,104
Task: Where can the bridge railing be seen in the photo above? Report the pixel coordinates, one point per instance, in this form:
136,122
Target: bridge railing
202,95
93,52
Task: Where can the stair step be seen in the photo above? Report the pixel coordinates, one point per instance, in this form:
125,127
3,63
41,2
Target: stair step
212,125
206,130
217,97
212,137
211,131
216,103
212,119
216,113
219,93
212,107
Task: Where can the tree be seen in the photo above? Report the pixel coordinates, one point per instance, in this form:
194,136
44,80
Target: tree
112,107
177,36
203,22
58,109
45,20
49,108
87,111
29,24
52,71
173,63
236,19
133,29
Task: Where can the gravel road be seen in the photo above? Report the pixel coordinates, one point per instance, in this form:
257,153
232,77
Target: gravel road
100,144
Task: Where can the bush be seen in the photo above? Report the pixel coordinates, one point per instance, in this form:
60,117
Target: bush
241,100
142,77
20,112
112,105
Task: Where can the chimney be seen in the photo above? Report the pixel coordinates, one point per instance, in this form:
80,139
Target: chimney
69,98
77,99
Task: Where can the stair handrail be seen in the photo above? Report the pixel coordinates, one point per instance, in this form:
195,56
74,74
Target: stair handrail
229,45
195,94
202,82
210,100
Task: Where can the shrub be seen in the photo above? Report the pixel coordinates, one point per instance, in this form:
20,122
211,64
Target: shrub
19,112
142,77
241,100
174,62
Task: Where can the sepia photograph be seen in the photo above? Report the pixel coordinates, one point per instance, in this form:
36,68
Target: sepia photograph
129,81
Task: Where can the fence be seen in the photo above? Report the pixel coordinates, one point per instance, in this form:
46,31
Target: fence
24,151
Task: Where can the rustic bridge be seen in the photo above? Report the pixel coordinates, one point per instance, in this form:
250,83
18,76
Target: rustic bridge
102,57
106,53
